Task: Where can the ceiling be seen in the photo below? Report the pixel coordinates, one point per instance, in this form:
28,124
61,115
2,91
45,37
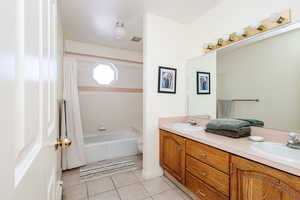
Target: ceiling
93,21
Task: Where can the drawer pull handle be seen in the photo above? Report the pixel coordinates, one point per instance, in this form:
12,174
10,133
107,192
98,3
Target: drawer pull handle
203,155
203,174
201,193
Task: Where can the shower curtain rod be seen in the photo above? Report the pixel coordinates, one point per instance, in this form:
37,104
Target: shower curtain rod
102,57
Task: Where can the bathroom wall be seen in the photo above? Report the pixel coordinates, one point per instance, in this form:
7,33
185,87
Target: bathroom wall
164,45
112,110
201,104
261,70
104,51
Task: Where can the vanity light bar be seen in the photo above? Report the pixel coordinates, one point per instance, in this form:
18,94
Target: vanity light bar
274,21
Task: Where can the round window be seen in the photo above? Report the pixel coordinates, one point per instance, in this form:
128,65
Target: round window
104,74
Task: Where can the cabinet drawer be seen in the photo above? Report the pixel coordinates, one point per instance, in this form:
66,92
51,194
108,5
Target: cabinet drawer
208,174
209,155
203,191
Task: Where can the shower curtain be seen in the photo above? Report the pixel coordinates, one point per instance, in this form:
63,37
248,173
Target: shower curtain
73,156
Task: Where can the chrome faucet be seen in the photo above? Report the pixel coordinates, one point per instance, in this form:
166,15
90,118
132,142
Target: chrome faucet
293,141
192,122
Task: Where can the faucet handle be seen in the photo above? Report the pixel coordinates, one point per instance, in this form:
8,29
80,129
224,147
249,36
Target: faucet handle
292,138
292,135
192,122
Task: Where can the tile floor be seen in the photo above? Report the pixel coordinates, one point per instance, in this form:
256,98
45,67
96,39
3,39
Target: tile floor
120,186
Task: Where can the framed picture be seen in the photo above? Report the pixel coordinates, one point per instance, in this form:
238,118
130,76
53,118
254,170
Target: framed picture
203,83
167,80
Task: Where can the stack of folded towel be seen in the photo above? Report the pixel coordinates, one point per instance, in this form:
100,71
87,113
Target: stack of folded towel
234,128
253,122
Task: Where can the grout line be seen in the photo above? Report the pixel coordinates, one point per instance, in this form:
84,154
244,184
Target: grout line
97,194
87,192
113,182
116,189
171,188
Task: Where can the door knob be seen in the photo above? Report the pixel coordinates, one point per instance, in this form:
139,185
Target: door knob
63,143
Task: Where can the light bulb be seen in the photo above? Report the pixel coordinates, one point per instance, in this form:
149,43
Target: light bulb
255,25
240,32
205,45
274,17
214,43
226,37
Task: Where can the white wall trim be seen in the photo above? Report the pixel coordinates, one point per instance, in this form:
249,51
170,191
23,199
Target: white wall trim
102,51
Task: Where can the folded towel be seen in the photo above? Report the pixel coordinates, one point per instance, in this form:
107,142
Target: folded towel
253,122
243,132
227,124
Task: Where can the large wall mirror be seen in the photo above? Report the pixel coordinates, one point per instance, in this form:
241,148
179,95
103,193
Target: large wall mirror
259,79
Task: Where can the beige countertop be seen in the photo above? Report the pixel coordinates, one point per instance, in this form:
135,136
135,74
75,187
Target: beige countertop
242,147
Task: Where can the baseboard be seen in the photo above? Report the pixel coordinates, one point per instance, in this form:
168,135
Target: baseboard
153,173
59,193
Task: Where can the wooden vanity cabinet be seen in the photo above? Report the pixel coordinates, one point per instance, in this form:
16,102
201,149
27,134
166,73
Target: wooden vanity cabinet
254,181
202,190
172,155
212,174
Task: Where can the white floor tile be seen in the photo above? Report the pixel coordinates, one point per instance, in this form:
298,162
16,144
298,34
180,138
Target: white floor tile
182,194
139,174
71,172
156,185
133,192
71,180
170,183
123,179
168,195
77,192
99,185
110,195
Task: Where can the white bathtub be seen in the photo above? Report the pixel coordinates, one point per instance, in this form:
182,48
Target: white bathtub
110,145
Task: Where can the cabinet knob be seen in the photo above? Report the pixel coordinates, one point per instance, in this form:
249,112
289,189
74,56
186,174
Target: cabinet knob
203,173
202,154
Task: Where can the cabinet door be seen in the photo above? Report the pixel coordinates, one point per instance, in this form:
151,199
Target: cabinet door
253,181
172,155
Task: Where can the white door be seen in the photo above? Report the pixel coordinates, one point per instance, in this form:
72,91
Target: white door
30,168
7,80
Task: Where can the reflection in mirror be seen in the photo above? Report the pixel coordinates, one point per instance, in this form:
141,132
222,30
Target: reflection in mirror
267,70
260,80
201,104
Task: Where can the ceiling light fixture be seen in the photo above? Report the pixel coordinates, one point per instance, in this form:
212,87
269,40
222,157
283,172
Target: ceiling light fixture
274,21
119,30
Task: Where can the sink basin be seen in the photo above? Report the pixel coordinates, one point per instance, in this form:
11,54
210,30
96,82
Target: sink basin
277,150
186,127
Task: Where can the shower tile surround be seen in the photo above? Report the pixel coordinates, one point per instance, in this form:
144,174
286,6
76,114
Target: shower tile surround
240,147
120,186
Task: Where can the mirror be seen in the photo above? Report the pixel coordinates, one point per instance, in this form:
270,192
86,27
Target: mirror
258,79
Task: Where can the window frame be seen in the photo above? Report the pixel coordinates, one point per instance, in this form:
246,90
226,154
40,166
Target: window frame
112,66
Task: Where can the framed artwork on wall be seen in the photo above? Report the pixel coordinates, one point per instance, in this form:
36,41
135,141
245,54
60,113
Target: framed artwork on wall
203,83
167,80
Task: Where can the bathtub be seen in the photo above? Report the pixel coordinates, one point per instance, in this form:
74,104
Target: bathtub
110,145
